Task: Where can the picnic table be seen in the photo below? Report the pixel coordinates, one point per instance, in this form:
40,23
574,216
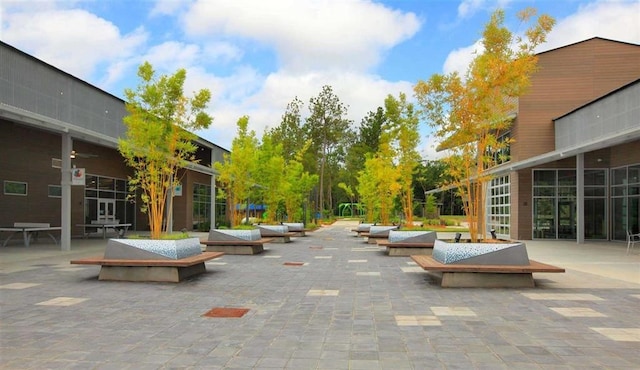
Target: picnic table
118,227
29,230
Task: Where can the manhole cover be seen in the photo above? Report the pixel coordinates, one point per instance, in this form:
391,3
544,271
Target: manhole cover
226,312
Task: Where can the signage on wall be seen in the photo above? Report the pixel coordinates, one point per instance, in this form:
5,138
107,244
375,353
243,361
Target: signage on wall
177,192
77,176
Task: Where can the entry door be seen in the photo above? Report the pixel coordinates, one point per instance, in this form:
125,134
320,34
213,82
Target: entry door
106,210
566,219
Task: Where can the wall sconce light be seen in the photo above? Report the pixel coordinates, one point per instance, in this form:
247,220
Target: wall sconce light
73,154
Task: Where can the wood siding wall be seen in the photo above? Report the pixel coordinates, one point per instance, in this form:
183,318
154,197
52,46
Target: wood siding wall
567,78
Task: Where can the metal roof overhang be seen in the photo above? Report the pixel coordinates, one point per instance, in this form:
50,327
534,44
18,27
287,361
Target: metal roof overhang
52,125
602,142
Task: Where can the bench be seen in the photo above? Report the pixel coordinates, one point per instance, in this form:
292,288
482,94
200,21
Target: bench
277,233
238,246
162,270
406,249
29,230
374,238
484,276
121,229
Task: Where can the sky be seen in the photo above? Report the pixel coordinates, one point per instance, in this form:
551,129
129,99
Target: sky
256,56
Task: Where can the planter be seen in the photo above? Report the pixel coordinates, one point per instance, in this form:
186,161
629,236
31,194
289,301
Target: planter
407,242
481,253
151,260
241,241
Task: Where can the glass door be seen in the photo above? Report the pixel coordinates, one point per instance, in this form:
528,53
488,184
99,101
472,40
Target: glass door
106,211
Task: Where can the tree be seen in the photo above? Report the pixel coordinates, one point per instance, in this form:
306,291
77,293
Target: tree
403,129
238,171
329,130
159,139
297,186
289,133
270,176
470,115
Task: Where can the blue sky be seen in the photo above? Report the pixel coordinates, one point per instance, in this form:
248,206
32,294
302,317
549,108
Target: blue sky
256,55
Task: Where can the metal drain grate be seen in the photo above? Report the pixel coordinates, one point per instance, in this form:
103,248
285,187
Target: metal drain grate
226,312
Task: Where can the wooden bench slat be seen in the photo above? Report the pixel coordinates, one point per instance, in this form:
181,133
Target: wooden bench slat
384,243
183,262
239,242
430,264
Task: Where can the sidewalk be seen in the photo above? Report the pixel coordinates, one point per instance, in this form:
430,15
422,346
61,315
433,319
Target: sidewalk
348,307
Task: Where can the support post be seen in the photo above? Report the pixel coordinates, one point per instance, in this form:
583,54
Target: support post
65,184
580,198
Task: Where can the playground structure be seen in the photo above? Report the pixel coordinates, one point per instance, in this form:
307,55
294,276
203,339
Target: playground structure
351,210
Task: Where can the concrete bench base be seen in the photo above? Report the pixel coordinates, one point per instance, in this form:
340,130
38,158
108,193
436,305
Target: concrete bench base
173,271
407,249
484,276
243,247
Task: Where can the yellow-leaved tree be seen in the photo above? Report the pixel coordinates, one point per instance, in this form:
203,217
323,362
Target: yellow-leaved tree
159,139
470,114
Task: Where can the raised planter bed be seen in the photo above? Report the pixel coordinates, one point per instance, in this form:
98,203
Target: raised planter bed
235,241
278,233
378,232
150,260
407,242
497,264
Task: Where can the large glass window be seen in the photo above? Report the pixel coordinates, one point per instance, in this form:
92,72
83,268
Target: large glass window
201,207
100,190
625,194
555,204
499,215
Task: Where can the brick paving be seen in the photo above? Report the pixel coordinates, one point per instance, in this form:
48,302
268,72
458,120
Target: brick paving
347,306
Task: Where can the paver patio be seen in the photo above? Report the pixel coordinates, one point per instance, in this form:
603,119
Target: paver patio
342,306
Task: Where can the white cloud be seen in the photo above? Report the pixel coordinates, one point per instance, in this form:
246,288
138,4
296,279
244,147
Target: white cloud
614,20
60,38
361,93
308,35
468,8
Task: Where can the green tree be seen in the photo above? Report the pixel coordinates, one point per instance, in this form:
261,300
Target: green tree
297,187
237,173
289,133
470,115
270,176
403,129
330,132
159,139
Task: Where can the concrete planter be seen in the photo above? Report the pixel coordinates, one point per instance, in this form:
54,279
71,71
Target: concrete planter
481,253
146,260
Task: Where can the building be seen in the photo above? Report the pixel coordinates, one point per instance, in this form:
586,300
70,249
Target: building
574,168
51,123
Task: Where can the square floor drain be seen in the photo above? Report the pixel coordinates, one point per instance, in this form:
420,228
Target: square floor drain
294,263
226,312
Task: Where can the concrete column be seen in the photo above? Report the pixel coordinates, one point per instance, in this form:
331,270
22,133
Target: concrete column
212,216
65,184
580,198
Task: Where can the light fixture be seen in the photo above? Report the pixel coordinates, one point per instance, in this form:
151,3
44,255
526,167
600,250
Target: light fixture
73,154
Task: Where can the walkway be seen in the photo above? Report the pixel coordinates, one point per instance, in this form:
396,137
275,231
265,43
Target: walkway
347,306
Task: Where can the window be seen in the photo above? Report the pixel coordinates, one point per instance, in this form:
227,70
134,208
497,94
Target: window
499,215
15,188
55,191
